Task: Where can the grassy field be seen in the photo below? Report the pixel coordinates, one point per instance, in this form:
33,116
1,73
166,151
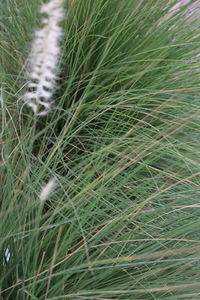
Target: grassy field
123,142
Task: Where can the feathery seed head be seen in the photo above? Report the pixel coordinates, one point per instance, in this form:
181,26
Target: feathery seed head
47,189
44,59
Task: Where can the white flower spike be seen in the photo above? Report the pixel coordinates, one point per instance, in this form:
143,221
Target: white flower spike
47,189
44,59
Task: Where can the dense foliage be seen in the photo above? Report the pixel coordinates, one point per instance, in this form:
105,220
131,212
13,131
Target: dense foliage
123,142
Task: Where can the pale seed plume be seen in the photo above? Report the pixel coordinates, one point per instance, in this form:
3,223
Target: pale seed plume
48,189
44,59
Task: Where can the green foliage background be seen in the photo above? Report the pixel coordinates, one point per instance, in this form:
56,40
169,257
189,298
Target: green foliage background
123,142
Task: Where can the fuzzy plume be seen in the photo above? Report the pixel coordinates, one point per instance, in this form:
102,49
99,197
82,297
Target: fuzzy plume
44,59
47,189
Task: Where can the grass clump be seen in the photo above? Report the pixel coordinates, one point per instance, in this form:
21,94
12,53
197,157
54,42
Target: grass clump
123,144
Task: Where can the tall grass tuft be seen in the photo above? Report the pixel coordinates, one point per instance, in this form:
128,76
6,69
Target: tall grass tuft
123,144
